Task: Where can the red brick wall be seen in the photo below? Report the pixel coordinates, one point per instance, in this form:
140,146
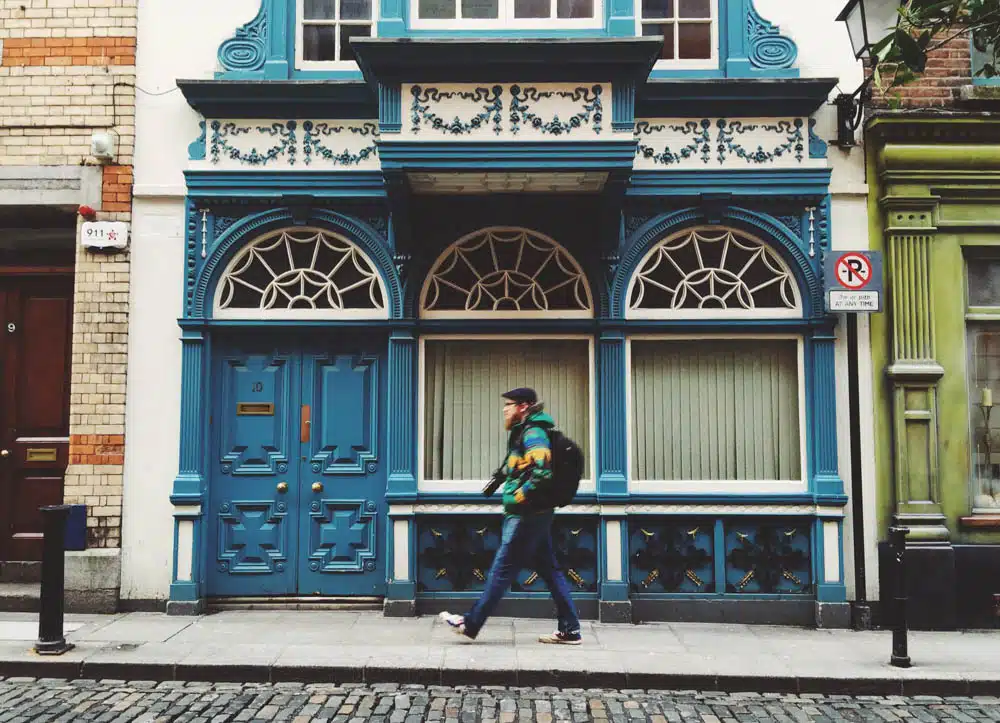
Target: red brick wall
948,68
68,51
117,189
97,449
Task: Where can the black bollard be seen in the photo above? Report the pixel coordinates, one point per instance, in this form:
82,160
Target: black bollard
900,655
51,640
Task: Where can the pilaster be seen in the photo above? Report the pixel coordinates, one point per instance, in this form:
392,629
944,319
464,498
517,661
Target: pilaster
823,435
402,413
400,598
615,606
612,418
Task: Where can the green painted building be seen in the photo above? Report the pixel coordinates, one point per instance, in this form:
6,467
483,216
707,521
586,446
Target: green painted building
934,205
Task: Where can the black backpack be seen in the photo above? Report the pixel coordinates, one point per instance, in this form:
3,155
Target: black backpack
567,469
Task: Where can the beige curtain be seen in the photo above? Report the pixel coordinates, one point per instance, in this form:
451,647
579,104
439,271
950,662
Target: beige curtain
715,410
463,424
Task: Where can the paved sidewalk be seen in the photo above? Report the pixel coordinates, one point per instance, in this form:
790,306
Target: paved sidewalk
324,646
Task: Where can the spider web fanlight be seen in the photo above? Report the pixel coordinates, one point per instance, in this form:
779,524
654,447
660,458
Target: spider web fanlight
713,272
301,274
503,272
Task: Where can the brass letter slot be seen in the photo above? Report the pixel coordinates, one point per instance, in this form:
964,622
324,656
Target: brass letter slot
255,409
40,454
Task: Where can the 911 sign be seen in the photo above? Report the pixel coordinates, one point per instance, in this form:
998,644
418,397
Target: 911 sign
852,281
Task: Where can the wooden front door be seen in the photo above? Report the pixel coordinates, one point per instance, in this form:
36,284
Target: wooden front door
36,313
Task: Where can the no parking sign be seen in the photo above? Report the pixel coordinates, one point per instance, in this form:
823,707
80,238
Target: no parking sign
852,281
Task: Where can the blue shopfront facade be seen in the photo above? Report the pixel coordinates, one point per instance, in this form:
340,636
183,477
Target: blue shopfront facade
373,253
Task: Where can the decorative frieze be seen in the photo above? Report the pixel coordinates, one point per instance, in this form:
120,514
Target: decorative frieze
726,143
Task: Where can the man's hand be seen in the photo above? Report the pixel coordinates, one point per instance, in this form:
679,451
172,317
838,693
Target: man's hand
494,483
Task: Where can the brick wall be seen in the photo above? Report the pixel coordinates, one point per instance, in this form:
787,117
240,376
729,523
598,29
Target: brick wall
67,68
948,68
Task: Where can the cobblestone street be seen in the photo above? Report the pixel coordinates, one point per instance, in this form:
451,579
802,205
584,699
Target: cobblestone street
109,701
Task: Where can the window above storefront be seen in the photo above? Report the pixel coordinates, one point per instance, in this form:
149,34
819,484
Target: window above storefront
509,14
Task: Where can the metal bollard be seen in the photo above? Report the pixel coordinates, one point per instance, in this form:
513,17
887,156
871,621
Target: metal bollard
900,655
51,640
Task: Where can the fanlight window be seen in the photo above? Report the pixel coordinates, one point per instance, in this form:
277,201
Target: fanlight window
713,272
301,273
506,272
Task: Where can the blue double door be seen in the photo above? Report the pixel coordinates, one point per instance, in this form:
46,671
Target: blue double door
298,484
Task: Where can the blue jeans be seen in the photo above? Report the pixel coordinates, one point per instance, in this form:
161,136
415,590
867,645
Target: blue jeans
525,542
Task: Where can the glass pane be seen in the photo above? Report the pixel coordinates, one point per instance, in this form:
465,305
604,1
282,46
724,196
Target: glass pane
464,437
319,42
575,8
355,9
695,41
320,9
657,9
695,8
481,9
984,352
667,31
532,8
984,282
715,410
436,9
351,31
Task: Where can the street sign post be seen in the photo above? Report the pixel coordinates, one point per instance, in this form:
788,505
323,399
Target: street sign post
852,281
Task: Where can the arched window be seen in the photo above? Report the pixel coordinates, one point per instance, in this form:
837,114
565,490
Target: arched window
506,272
300,273
713,272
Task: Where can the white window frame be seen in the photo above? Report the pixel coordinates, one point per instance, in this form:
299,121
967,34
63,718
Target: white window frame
720,314
298,314
506,19
587,313
300,22
588,485
759,487
691,63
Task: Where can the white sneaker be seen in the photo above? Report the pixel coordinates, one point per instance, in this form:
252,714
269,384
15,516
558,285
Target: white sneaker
455,622
558,638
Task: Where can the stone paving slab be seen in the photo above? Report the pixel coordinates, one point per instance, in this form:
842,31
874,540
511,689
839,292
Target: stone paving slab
329,646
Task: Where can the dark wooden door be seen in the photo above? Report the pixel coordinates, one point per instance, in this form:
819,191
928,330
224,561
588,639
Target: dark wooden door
36,313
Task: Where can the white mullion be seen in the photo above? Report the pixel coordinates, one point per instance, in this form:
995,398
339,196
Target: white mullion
336,31
553,10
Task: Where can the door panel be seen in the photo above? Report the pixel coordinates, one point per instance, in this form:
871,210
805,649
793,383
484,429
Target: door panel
36,314
254,491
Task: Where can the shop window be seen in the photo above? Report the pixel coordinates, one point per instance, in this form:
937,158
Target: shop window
980,58
464,439
690,30
325,29
716,410
983,341
300,273
500,14
507,272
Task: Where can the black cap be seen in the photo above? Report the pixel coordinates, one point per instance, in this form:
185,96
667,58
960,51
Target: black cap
522,395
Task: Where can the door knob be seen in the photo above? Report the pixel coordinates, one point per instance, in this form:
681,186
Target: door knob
317,486
4,453
282,487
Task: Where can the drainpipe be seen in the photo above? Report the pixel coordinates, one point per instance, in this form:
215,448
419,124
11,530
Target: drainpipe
861,614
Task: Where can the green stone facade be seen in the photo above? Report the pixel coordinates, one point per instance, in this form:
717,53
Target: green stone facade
934,204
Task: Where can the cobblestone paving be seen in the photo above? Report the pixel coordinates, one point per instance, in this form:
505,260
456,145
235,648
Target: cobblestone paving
111,701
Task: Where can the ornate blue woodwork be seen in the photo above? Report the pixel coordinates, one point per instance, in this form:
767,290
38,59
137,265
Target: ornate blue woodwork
248,49
196,149
701,141
671,555
623,106
454,553
767,48
817,146
284,147
591,114
768,557
402,410
344,444
343,535
612,420
790,141
492,110
314,147
253,537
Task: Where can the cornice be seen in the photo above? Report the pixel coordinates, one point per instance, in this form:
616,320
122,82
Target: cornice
935,126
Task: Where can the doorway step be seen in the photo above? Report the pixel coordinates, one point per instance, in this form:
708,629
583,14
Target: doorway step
356,604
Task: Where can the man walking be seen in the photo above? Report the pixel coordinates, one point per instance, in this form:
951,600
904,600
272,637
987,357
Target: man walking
526,540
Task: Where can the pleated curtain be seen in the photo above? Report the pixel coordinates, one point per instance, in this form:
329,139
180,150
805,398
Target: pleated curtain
715,410
463,421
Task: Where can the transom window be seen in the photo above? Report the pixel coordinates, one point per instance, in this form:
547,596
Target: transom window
300,273
689,29
507,272
713,272
505,13
327,26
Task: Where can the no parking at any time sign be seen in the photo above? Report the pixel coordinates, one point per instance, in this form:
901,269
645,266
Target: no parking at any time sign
852,281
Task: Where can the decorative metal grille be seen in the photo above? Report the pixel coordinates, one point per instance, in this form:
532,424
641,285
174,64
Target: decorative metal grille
712,270
508,271
291,272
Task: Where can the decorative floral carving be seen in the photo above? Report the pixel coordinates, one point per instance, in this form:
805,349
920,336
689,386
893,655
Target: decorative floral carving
768,558
196,149
672,556
792,140
701,140
283,132
817,146
313,146
592,112
421,113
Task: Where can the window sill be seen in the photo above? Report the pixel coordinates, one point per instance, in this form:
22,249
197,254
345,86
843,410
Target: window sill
989,522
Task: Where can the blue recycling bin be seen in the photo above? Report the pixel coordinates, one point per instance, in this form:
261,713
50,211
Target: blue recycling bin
76,528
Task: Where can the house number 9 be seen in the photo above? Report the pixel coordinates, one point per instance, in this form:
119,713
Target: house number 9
11,327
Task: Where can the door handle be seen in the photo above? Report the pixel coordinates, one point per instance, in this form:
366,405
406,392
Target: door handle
282,487
4,453
317,486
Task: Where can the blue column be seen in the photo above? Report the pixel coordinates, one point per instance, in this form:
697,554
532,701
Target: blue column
280,39
187,496
621,18
392,18
402,414
821,411
612,422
